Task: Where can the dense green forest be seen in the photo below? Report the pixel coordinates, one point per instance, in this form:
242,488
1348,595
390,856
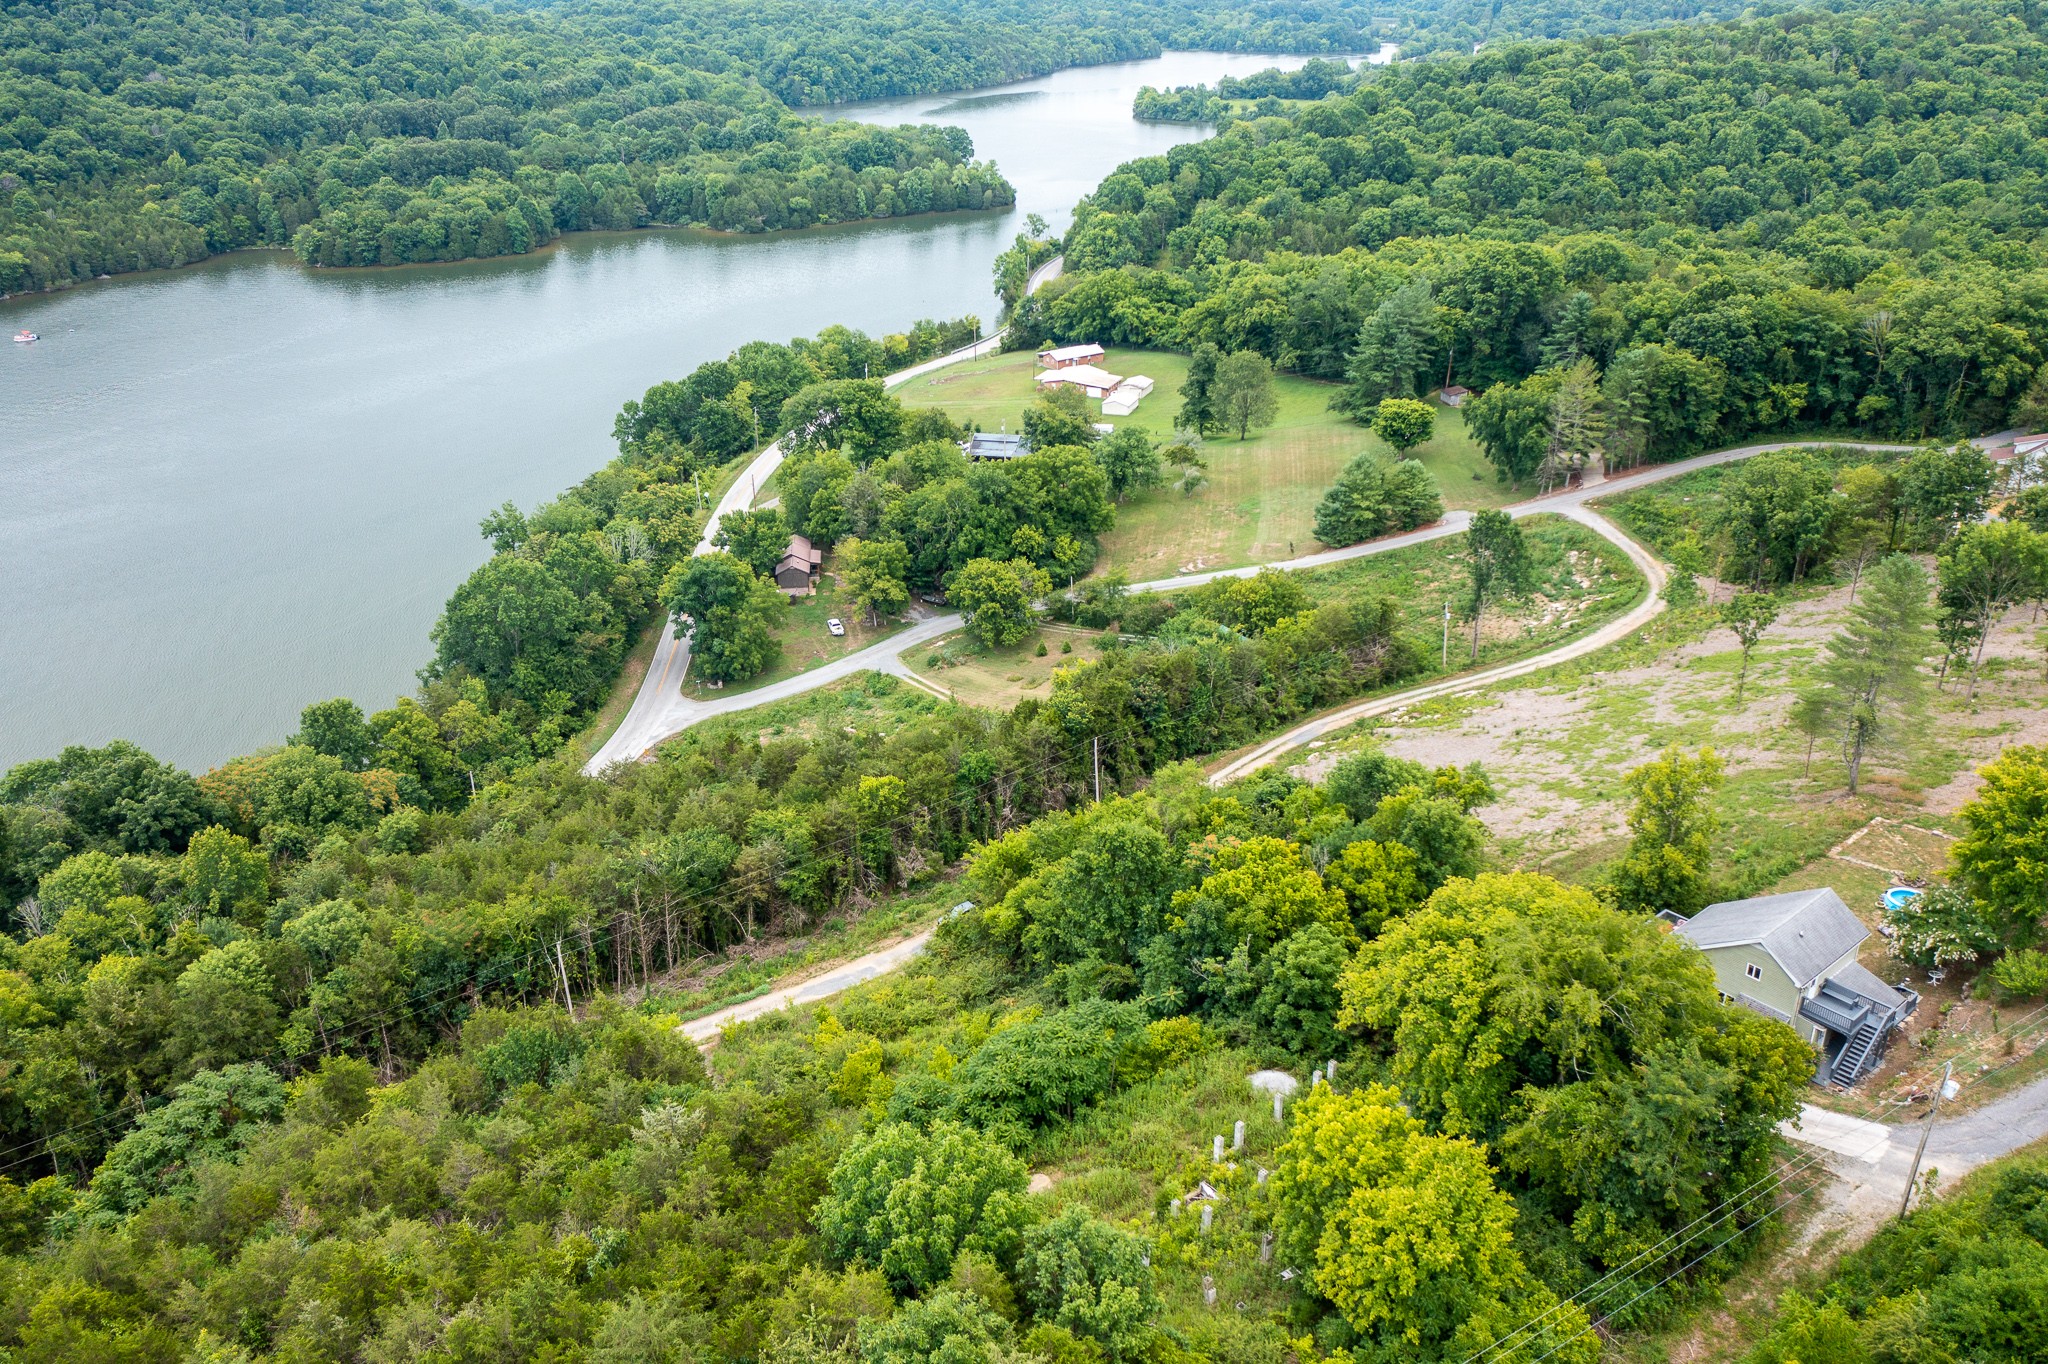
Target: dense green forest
534,1188
157,132
354,1049
1812,222
866,49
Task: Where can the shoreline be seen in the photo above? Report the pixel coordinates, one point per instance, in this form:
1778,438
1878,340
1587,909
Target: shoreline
712,233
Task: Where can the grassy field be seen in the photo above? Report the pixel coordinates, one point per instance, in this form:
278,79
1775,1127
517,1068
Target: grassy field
1000,678
865,702
1260,500
1581,580
806,642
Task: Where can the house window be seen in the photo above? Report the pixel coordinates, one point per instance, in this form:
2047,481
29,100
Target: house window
1753,971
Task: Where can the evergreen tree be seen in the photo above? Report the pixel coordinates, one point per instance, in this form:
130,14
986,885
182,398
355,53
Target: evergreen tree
1393,346
1571,338
1576,424
1870,682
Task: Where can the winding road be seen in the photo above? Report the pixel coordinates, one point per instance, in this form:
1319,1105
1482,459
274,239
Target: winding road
660,709
1871,1161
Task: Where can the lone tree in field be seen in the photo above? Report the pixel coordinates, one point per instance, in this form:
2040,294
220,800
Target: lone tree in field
1499,564
1870,684
1403,423
1242,392
1748,614
1671,825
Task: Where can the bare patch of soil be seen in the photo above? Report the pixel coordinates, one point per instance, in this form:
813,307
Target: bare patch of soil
1556,752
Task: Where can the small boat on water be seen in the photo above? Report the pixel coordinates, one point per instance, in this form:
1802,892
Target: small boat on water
24,337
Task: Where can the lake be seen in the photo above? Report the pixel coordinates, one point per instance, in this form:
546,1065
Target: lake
238,488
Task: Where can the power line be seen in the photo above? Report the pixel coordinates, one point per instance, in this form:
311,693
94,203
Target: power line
1672,1243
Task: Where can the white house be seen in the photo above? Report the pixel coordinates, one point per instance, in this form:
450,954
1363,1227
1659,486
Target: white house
1096,383
1126,397
1792,957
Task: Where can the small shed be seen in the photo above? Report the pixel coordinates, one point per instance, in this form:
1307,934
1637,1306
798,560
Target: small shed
1453,395
1125,399
1064,357
797,572
1096,383
988,445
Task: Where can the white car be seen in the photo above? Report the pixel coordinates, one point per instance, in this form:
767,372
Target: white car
836,626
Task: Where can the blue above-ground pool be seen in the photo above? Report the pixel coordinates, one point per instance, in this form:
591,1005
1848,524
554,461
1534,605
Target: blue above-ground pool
1898,897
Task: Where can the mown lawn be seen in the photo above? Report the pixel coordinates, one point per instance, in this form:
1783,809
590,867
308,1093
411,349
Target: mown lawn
999,678
1580,581
806,642
1260,499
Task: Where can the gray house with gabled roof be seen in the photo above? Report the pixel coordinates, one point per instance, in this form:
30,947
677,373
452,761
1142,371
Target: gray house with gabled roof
1792,957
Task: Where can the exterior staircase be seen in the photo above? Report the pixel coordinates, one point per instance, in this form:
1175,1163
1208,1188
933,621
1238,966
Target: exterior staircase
1855,1054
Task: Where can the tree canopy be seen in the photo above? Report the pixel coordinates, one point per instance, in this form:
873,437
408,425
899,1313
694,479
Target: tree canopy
1744,227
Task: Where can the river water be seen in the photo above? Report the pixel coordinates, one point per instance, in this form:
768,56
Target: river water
231,490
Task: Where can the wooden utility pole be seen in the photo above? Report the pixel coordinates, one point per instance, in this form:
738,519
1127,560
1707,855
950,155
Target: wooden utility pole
563,967
1940,1092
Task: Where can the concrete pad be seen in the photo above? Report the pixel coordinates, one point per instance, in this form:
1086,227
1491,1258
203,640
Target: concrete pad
1856,1138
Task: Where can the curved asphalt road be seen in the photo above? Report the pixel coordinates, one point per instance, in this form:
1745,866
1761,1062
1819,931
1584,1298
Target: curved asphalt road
1872,1159
660,709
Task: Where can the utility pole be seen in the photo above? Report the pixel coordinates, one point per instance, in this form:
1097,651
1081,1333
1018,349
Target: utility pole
1940,1093
1447,636
1098,769
567,998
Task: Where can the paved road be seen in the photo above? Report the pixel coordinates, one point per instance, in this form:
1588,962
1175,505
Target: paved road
1615,630
1872,1161
659,708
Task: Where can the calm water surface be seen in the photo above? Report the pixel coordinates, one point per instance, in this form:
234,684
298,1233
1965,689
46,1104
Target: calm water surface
232,490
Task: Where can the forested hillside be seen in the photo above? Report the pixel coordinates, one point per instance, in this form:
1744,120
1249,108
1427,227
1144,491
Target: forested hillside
1455,26
866,49
157,132
1816,221
363,1048
541,1189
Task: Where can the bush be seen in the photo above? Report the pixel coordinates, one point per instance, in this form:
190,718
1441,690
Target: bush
2024,974
1943,926
1048,1068
907,1202
1093,1279
947,1328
